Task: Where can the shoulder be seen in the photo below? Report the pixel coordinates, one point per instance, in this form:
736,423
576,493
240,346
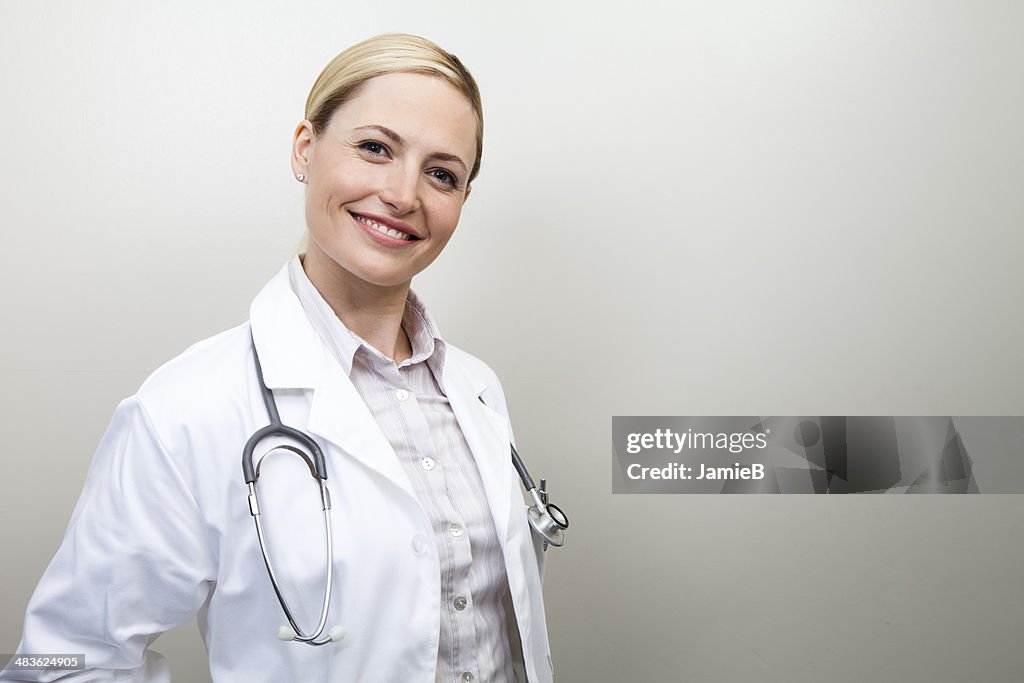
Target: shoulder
185,418
199,382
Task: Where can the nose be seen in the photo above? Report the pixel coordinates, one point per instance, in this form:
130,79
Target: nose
401,189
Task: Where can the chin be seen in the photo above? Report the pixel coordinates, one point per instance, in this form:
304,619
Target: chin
387,282
382,277
385,272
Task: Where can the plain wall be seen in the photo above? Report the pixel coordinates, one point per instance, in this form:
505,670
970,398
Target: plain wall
685,208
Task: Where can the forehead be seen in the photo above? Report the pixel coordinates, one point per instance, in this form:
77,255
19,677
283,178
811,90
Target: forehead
425,110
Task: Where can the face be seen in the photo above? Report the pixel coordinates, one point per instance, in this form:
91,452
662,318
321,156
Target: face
387,178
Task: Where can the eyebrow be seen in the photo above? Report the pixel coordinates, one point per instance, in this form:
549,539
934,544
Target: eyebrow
387,132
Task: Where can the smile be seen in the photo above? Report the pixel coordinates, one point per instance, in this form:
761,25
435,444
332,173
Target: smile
383,229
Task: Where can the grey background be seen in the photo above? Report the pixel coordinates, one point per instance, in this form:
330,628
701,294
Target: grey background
685,208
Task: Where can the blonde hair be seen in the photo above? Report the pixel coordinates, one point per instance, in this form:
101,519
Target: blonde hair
384,54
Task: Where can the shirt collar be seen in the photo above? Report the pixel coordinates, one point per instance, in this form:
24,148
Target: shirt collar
424,336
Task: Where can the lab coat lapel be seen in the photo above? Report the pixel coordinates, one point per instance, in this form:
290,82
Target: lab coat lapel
487,434
294,357
339,415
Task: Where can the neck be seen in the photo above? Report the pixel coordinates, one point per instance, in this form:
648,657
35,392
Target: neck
373,312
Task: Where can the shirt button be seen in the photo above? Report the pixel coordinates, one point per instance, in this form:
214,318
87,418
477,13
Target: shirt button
427,463
460,602
467,677
402,394
455,529
419,545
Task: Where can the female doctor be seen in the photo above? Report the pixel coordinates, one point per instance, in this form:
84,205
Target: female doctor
433,571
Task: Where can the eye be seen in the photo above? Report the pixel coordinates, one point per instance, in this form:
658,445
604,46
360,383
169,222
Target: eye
444,176
374,148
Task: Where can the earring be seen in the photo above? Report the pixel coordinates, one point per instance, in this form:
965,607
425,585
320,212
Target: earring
300,177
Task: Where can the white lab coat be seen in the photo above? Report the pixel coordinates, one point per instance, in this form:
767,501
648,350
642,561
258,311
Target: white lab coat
163,531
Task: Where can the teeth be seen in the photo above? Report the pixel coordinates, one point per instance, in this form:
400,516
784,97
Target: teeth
390,232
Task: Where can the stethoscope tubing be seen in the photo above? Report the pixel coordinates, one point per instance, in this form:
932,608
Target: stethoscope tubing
545,518
325,608
318,470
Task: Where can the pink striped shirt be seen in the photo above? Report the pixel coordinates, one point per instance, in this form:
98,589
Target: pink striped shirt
478,640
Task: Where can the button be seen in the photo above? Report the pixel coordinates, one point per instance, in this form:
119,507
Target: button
427,463
455,529
419,545
460,602
402,394
467,677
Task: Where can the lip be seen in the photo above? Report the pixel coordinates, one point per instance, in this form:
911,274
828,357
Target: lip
401,226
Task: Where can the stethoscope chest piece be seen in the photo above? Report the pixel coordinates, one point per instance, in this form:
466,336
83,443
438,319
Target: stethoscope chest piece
550,522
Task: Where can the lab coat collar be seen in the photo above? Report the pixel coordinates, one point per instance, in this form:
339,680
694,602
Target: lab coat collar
289,350
344,344
294,357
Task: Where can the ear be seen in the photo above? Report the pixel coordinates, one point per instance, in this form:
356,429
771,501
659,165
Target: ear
301,144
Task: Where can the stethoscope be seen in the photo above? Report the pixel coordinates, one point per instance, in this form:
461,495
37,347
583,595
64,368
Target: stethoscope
547,519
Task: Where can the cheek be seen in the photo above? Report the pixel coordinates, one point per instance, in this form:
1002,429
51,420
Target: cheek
447,214
346,183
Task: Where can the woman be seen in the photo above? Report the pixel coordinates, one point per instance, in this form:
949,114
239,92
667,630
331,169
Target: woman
435,572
